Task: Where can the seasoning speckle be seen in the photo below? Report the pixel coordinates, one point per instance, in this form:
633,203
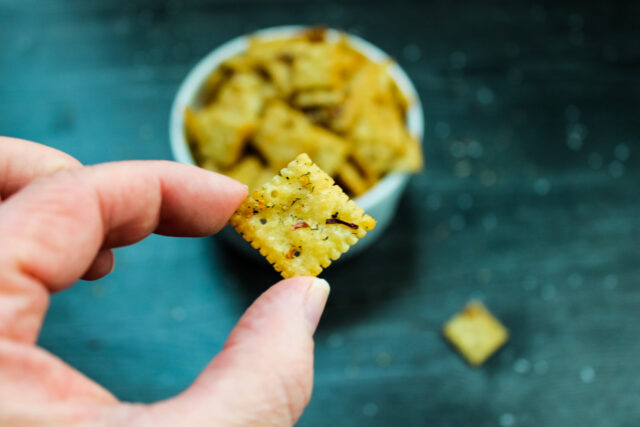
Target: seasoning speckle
335,220
299,224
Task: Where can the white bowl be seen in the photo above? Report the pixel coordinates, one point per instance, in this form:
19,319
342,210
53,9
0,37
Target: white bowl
380,201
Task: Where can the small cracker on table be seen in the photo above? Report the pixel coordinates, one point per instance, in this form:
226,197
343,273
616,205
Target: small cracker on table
475,333
300,220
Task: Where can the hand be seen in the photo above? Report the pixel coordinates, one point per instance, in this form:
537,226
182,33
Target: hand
58,223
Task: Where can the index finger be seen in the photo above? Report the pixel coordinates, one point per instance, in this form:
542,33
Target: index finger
57,225
22,161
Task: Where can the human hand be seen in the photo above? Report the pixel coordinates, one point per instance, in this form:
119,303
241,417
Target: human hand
58,223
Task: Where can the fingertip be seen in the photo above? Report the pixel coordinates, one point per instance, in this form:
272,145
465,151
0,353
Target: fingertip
315,302
236,190
311,292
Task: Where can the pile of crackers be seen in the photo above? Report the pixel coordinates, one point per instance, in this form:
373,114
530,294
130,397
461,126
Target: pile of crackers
303,94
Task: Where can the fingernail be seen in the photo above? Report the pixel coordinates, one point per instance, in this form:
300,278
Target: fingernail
113,263
56,166
315,301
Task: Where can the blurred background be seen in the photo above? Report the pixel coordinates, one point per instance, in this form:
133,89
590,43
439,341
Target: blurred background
530,202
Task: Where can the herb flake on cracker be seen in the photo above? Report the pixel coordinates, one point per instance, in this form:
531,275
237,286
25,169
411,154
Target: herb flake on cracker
300,220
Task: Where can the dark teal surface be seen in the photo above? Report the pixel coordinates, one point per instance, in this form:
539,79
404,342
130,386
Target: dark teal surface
530,202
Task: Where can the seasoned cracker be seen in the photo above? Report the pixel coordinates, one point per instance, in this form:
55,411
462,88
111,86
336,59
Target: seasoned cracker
284,133
220,131
246,170
303,94
373,122
246,94
300,220
218,134
316,67
352,179
318,98
251,172
410,159
476,333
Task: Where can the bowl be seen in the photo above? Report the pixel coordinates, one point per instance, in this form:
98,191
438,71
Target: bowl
381,201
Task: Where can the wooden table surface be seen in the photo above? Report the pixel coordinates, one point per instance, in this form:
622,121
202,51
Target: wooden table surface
530,202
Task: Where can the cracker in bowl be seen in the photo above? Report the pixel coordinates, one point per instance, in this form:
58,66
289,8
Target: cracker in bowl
300,220
313,92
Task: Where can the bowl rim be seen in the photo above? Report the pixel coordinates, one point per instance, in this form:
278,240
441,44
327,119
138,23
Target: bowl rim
192,84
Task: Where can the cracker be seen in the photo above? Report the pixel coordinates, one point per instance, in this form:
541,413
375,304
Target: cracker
220,130
303,94
246,94
218,134
352,179
300,220
263,176
316,67
378,138
284,133
476,333
250,172
246,171
374,123
276,57
411,159
367,85
317,98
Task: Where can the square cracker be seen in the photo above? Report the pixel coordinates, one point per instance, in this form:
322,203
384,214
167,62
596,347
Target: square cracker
220,130
300,220
251,172
284,133
349,176
476,333
218,134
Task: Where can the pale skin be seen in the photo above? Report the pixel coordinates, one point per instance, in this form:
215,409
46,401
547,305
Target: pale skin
59,222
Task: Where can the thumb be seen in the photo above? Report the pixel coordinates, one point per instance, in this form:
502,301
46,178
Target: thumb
264,374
